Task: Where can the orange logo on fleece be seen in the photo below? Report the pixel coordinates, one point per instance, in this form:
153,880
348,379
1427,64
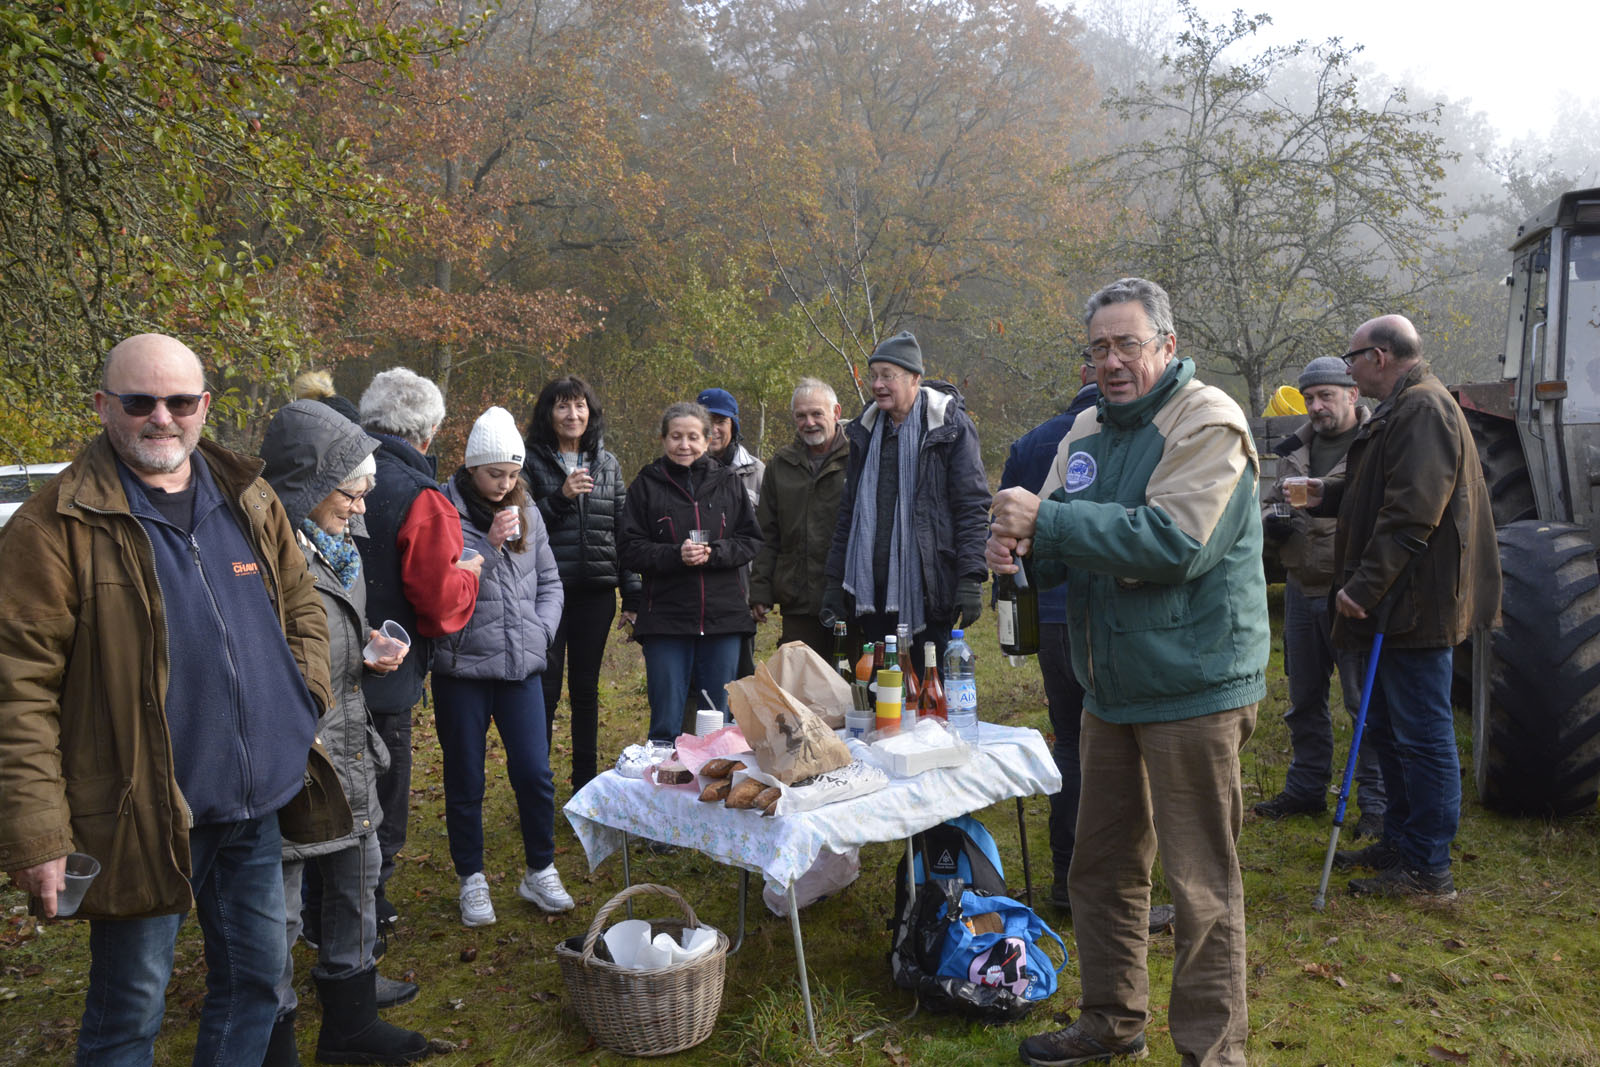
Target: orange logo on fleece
246,569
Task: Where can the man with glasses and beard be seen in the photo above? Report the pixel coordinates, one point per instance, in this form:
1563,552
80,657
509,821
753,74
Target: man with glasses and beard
166,661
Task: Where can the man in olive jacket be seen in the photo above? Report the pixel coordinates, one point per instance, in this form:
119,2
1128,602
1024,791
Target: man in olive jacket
163,660
1414,478
798,510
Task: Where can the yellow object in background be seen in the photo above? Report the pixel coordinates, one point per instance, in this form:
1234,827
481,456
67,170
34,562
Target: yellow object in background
1286,401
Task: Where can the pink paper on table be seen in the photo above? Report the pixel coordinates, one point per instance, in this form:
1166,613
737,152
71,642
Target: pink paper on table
695,752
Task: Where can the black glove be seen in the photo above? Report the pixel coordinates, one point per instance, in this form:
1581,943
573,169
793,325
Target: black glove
833,608
969,601
1277,529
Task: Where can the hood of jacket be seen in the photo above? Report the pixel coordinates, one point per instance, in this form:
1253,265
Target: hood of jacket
310,449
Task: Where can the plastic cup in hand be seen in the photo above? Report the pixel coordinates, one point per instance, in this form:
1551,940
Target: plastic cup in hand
516,531
81,870
700,537
470,554
1299,491
707,721
392,640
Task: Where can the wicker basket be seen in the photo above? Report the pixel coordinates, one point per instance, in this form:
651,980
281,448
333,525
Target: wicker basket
649,1012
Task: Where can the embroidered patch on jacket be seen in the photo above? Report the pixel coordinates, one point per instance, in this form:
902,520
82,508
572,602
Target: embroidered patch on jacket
1081,471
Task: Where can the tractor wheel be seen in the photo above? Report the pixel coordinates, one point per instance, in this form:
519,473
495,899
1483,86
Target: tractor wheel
1537,748
1505,468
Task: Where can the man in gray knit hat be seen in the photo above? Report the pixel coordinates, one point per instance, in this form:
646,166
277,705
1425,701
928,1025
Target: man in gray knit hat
908,544
1305,545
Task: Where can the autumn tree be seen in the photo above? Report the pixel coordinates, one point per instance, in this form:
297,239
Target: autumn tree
153,177
1279,198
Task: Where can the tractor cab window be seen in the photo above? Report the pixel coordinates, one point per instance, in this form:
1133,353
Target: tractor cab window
1581,328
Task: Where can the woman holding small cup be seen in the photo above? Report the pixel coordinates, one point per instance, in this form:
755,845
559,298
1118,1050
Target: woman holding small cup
688,529
320,464
578,487
492,670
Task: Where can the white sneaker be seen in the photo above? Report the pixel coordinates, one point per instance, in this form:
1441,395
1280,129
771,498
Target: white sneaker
544,888
476,908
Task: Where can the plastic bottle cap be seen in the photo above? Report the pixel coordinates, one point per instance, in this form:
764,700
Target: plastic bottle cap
956,633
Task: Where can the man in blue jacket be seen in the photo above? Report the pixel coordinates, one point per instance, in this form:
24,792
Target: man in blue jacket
908,544
1150,515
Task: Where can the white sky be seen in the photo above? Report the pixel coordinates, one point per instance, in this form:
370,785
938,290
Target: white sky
1511,61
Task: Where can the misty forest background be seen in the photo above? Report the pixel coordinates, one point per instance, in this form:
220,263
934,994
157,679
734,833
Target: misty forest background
662,195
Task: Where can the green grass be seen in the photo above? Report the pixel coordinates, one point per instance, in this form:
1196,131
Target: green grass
1507,975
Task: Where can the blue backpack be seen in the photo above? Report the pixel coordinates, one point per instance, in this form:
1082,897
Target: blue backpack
960,943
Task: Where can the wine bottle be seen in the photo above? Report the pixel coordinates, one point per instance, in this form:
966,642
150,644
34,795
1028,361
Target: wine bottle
930,697
1017,611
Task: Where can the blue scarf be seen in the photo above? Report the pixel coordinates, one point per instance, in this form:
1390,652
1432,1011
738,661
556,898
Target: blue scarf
903,598
340,552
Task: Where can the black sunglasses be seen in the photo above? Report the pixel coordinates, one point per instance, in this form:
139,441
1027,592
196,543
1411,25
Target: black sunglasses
141,404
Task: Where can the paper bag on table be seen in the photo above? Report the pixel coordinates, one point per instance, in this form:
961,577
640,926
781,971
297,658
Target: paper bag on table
790,742
806,676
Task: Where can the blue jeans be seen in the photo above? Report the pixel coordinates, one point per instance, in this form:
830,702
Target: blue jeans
462,710
238,890
1411,728
1064,696
673,664
1309,659
348,914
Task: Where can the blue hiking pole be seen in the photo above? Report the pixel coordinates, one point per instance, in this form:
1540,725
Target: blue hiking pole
1414,546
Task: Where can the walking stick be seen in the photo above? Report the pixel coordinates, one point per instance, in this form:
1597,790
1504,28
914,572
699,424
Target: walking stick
1413,545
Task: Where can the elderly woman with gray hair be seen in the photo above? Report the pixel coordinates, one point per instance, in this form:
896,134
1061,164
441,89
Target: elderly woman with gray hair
321,466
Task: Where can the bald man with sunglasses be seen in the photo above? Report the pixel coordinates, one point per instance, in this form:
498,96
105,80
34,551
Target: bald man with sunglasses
165,664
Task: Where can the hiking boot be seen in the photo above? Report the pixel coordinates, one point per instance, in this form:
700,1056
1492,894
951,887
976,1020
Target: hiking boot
387,916
544,888
1284,805
1369,825
1057,897
1378,856
1161,916
476,907
1400,881
1062,1048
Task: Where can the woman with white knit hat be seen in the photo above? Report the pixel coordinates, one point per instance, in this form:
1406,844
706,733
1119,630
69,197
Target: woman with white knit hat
492,669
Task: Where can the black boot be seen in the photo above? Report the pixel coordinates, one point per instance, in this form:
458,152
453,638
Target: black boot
281,1051
353,1033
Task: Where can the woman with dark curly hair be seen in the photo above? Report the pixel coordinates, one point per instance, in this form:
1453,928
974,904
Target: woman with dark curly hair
578,488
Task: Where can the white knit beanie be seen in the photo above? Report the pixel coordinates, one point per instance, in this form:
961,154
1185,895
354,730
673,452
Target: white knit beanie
494,439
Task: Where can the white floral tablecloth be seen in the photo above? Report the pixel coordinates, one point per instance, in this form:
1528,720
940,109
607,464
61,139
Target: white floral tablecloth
1009,762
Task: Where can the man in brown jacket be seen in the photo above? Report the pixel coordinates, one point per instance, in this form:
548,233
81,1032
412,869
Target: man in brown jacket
798,509
1413,479
1317,449
165,659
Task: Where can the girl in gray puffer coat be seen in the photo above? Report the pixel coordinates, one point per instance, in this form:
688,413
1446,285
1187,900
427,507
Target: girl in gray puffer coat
320,464
492,670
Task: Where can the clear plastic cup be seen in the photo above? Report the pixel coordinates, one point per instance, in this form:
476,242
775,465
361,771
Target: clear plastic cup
391,640
81,870
1298,490
470,554
700,537
516,533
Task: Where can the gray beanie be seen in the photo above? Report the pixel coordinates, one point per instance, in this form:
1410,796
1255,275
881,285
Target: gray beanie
902,350
1326,370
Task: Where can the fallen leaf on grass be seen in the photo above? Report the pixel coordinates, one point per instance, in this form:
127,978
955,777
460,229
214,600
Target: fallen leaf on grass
1439,1052
469,954
1555,957
1452,943
896,1054
543,997
1498,977
1394,979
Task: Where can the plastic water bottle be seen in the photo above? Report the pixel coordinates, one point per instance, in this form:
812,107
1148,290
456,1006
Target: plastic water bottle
961,688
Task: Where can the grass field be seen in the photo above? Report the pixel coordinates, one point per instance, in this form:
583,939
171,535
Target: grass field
1509,974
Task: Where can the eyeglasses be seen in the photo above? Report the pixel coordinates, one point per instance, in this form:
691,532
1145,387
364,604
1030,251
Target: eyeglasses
354,498
139,405
1126,348
1354,354
887,377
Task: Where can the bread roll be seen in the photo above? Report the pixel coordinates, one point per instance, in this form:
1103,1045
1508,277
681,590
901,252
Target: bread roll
742,794
716,791
767,798
720,768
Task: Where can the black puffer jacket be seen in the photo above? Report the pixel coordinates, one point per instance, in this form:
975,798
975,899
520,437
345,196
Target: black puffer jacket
677,599
583,532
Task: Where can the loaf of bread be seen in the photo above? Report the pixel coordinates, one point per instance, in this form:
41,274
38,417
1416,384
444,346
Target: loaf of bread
767,800
720,768
741,795
716,791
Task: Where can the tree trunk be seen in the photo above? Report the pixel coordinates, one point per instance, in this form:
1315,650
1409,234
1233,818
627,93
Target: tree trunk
443,353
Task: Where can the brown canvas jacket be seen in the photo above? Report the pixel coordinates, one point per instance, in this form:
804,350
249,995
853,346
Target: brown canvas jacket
1414,470
797,514
85,755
